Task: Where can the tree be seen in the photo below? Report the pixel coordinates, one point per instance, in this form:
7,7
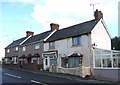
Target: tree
115,43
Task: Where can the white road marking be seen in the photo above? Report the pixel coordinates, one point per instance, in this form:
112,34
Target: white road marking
12,75
38,82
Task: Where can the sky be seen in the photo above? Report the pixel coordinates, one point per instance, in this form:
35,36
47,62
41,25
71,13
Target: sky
19,16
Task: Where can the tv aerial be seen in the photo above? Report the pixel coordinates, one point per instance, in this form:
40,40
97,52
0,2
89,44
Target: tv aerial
94,5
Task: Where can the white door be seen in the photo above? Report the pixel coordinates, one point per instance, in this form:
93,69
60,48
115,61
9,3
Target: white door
46,62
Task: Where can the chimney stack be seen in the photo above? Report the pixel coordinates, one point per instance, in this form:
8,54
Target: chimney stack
28,33
54,26
98,14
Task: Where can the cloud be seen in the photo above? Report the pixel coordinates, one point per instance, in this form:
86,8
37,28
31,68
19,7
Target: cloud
63,12
18,0
68,12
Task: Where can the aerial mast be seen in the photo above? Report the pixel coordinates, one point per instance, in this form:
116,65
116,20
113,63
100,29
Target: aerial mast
94,5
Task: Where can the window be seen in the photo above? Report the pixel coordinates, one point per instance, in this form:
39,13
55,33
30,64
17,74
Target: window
46,61
64,62
16,48
76,40
8,50
52,45
107,59
37,46
24,48
74,62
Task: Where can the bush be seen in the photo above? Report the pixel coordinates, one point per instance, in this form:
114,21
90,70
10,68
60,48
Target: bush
47,69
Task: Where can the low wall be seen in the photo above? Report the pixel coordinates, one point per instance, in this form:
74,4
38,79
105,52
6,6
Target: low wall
12,65
32,66
107,74
26,66
74,71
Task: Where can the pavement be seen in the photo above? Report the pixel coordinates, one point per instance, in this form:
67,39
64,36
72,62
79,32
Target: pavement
61,75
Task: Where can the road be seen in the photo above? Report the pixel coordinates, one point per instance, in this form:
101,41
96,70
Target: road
13,76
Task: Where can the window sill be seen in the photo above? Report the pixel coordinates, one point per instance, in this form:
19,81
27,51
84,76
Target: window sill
37,49
51,49
76,45
15,51
105,68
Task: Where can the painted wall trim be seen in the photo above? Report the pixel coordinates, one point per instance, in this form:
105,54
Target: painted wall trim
50,35
25,40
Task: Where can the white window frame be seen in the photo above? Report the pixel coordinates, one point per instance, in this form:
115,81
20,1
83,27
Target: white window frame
16,48
102,56
8,50
24,48
76,40
37,46
52,45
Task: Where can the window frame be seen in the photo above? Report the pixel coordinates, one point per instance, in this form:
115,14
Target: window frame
37,46
24,48
72,62
8,50
52,45
108,59
76,40
16,48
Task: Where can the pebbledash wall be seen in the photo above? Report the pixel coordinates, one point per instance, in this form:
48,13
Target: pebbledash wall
100,38
65,48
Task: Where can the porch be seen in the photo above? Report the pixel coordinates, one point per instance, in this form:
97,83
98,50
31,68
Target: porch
106,64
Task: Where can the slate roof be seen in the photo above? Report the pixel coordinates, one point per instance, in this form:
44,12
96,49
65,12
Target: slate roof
16,42
75,30
37,37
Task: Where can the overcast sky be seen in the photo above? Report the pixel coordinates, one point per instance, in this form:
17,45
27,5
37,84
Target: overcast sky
19,16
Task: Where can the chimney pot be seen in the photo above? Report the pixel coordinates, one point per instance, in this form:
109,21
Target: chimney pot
98,14
28,33
54,26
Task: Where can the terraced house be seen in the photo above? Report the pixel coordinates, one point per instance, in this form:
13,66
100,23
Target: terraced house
12,51
27,52
31,51
72,47
78,50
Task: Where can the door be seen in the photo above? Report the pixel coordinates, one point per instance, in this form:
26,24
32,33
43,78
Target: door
46,63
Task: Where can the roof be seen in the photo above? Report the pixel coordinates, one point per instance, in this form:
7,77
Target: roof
75,54
37,37
16,42
75,30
